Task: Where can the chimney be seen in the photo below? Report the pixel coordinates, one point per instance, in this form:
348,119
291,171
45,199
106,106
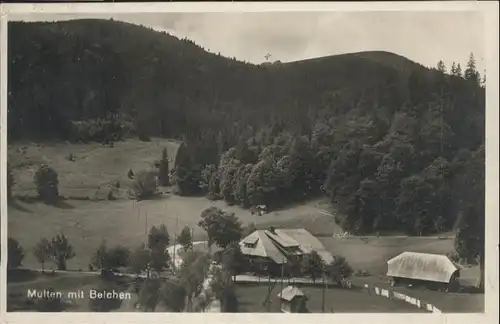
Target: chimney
271,229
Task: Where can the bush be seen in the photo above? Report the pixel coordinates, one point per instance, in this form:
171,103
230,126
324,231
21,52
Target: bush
104,130
15,254
144,137
453,256
188,180
362,273
144,185
46,181
111,194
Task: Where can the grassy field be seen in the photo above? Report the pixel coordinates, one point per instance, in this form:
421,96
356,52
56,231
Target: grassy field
252,296
372,253
447,302
94,168
87,223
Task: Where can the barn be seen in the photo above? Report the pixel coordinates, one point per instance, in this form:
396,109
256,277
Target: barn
430,270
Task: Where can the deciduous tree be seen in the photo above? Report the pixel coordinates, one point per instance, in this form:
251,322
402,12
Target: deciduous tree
42,252
140,260
312,265
173,295
158,238
339,269
233,260
15,254
46,180
185,239
62,250
144,185
222,228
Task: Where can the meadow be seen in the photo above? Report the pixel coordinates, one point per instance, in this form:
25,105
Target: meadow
85,170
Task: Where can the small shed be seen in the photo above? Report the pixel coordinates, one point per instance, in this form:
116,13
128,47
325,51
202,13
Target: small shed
423,268
293,300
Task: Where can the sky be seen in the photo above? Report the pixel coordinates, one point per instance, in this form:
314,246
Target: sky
423,36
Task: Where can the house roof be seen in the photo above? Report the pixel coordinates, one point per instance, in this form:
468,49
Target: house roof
251,239
263,247
271,244
290,292
422,266
282,239
307,242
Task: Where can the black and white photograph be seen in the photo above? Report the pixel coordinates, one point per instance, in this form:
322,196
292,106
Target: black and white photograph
246,162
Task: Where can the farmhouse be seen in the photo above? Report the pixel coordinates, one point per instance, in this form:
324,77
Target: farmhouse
293,300
268,250
432,270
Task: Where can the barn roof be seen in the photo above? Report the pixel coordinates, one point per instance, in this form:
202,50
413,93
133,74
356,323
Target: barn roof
421,266
290,292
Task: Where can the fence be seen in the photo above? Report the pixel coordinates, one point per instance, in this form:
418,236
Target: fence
394,295
347,284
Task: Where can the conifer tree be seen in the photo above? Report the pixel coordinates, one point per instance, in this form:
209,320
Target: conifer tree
453,68
458,71
471,74
441,67
164,171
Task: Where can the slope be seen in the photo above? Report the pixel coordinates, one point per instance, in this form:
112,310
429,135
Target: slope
80,69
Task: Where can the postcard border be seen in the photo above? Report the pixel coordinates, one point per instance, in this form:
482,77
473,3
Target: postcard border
490,11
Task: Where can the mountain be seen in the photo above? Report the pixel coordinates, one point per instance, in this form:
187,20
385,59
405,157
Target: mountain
74,70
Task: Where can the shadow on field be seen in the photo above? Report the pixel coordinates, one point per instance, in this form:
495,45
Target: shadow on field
14,204
155,197
27,199
21,275
469,290
61,204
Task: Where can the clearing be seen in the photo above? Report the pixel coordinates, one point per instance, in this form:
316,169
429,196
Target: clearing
93,169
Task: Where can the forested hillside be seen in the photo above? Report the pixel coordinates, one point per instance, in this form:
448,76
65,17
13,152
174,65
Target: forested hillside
388,140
